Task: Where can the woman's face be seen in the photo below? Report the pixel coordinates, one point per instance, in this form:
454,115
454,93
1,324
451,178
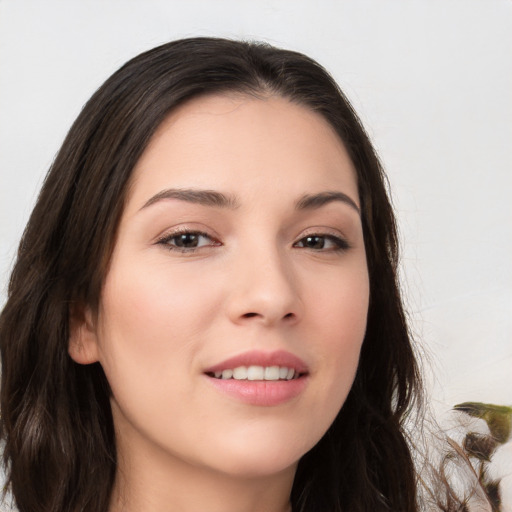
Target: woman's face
240,251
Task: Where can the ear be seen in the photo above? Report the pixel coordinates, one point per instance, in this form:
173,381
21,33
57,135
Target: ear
83,338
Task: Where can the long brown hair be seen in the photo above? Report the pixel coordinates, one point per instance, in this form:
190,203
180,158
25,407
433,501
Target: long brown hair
56,422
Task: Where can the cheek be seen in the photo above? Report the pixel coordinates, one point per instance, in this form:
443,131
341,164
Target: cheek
150,323
339,304
152,326
338,307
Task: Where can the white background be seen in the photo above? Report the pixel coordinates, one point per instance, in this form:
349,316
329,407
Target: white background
432,81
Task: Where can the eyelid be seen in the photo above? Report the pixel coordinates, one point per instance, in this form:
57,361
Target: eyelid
187,227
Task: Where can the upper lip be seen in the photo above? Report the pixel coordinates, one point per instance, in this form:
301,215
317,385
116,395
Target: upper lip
260,358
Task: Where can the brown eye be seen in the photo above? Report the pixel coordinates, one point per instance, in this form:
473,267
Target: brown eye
322,243
314,242
187,241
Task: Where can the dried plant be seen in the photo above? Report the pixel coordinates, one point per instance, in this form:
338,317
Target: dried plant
478,449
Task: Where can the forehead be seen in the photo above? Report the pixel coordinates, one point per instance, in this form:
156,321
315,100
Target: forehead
242,144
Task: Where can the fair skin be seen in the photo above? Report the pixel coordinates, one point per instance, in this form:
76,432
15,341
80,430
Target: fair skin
255,269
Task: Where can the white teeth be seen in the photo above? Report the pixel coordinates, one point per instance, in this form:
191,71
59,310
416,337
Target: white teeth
240,373
227,374
272,373
255,372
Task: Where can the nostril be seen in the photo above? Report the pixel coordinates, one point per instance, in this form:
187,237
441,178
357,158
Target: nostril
252,314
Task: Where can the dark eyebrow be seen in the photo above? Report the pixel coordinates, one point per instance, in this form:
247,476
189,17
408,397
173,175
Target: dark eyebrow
203,197
312,201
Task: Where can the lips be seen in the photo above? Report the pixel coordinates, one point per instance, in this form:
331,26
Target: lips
260,378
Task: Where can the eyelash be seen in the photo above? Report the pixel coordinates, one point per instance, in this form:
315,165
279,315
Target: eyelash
166,240
340,244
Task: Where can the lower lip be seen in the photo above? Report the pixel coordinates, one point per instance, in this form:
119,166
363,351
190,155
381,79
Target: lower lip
265,393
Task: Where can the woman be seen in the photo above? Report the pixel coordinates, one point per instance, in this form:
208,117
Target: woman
204,312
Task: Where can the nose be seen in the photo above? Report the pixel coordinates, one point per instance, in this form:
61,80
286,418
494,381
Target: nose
264,290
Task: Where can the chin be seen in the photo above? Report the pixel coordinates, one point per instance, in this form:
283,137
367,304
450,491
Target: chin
259,467
261,455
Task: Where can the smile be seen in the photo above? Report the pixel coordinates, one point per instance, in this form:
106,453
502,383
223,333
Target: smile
254,372
260,378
